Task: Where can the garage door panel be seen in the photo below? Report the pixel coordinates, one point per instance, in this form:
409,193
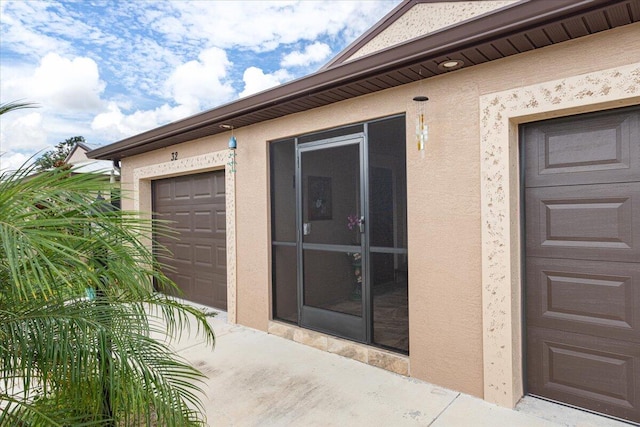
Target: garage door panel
600,222
182,189
596,373
221,256
164,247
206,291
174,265
594,298
194,208
591,149
220,222
183,252
582,260
202,187
221,289
185,283
203,254
219,190
163,191
181,220
203,219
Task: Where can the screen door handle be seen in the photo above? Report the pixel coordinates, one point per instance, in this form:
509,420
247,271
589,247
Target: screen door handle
361,224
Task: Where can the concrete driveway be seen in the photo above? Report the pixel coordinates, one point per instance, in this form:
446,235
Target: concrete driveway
257,379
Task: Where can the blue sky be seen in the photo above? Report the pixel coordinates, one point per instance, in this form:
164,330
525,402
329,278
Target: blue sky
111,69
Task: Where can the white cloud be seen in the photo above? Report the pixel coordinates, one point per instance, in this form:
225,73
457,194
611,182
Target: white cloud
264,25
20,21
193,86
71,84
13,161
255,80
34,131
111,123
142,65
24,133
201,83
312,54
114,124
57,82
20,137
170,25
66,92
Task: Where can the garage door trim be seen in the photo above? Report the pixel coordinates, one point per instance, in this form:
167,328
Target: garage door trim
142,201
500,114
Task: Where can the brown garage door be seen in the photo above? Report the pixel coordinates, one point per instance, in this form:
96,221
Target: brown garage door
582,215
198,264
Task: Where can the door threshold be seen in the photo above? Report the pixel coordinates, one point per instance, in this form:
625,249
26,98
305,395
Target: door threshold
363,353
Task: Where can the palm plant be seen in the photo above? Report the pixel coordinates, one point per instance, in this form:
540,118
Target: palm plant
84,338
15,105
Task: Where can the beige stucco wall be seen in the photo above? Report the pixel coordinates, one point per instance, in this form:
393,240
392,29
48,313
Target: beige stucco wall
449,295
425,18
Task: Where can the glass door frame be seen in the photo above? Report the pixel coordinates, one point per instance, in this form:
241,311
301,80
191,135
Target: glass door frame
335,323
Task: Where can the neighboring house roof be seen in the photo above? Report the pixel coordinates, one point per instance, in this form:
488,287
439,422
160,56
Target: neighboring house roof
79,149
517,28
77,158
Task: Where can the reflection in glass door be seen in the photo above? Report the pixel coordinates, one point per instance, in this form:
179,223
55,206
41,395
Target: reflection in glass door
331,221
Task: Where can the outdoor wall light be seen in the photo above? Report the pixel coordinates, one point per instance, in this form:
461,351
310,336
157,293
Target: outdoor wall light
422,129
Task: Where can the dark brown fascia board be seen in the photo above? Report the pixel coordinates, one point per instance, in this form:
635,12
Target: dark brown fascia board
379,27
485,28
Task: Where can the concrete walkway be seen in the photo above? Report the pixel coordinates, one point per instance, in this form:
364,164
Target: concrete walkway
257,379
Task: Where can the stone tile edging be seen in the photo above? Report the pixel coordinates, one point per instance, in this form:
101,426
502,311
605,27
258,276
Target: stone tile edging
386,360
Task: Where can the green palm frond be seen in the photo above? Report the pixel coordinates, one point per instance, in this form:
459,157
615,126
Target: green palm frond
15,105
65,358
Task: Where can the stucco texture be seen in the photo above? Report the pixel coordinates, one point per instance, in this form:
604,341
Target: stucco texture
425,18
444,197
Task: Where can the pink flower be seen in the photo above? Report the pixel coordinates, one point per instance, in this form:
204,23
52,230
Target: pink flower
352,221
